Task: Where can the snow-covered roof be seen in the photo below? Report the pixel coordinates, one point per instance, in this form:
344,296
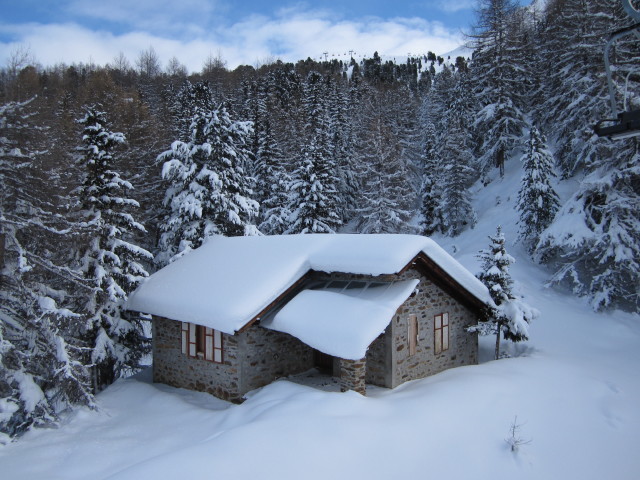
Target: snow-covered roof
341,322
227,282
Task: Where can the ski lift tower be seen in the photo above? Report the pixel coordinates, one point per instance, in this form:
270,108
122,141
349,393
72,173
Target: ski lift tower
623,124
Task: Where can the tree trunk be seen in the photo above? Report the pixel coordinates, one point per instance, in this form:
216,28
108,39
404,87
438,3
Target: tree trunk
498,341
500,161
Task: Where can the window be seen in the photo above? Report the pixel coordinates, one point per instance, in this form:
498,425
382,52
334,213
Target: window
441,332
412,334
201,342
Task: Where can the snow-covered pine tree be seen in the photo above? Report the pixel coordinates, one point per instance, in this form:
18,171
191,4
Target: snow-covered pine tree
313,192
456,176
112,263
41,373
342,147
385,192
408,131
455,151
575,92
510,317
209,191
434,113
497,71
430,213
189,98
594,243
537,199
448,106
272,179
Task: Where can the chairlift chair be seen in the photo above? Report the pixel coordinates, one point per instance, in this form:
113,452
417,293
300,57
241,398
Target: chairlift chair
627,123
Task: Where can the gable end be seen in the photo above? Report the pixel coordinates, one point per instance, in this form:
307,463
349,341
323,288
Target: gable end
432,270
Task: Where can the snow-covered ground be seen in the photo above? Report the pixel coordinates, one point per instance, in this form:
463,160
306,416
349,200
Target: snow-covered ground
573,389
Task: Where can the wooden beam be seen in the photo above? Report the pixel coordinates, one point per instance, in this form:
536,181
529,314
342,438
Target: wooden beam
291,291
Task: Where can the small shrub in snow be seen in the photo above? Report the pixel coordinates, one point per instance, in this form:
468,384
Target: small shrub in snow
515,440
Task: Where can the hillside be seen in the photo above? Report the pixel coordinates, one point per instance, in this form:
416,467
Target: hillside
573,389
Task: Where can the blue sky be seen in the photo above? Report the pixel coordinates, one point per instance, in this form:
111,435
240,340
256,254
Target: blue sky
241,31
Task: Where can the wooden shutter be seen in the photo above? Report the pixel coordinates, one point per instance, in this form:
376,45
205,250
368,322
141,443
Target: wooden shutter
413,334
445,331
217,346
192,340
185,337
208,344
437,331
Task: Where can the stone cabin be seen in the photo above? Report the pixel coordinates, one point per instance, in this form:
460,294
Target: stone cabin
238,313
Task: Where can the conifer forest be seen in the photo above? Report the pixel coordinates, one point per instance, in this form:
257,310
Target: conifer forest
109,172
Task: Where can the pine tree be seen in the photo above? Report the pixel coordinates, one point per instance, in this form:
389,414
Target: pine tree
575,92
510,317
341,132
112,263
456,177
537,199
272,179
384,196
313,192
449,110
41,373
594,243
434,113
431,215
209,192
497,71
190,98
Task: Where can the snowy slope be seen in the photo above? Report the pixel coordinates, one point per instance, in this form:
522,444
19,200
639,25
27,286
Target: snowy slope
573,387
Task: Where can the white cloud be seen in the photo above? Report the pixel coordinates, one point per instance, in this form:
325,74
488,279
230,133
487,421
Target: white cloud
290,37
157,16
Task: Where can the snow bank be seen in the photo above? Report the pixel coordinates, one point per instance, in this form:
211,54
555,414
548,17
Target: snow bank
341,324
225,283
574,391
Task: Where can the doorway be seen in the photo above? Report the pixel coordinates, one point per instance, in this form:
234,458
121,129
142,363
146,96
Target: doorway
323,362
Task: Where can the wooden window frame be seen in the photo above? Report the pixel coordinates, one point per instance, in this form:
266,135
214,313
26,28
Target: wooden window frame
198,341
441,327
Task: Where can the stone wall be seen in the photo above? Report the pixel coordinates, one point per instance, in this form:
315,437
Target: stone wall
251,359
174,368
352,374
378,371
430,301
258,356
388,363
268,355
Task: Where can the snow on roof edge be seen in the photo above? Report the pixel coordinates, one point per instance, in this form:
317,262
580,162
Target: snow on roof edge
457,272
228,281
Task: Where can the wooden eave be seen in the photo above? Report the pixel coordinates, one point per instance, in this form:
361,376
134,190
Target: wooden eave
421,262
293,289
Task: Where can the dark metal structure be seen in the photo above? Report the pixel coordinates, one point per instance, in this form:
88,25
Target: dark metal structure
623,124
